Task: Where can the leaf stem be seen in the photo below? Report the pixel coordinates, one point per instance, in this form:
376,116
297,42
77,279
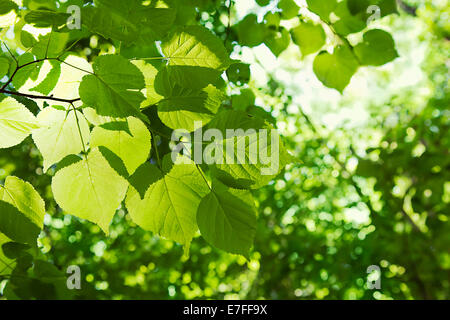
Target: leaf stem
151,58
7,48
204,177
79,129
158,159
71,65
199,169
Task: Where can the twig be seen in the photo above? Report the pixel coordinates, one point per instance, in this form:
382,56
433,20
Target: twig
230,4
32,96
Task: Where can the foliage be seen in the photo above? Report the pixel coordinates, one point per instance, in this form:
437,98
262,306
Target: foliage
101,104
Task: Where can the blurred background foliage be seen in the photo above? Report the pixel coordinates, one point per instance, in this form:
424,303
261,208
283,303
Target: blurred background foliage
371,185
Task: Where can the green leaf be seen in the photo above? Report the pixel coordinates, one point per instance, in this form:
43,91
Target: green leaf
59,136
128,21
349,23
289,9
261,113
156,21
181,107
323,8
377,48
171,201
111,20
4,66
277,40
192,77
7,265
357,6
50,81
44,18
244,100
360,7
196,46
115,162
27,39
25,198
90,189
185,11
113,89
262,3
149,72
16,123
184,106
250,32
133,148
272,20
14,250
227,219
16,226
47,272
387,7
30,71
6,6
92,116
52,282
239,73
259,154
309,37
336,70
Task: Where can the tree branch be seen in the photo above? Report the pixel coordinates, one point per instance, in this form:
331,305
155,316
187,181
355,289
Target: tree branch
32,96
17,69
407,8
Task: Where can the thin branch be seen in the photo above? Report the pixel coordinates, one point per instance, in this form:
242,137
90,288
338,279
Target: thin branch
32,96
411,10
230,4
17,70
